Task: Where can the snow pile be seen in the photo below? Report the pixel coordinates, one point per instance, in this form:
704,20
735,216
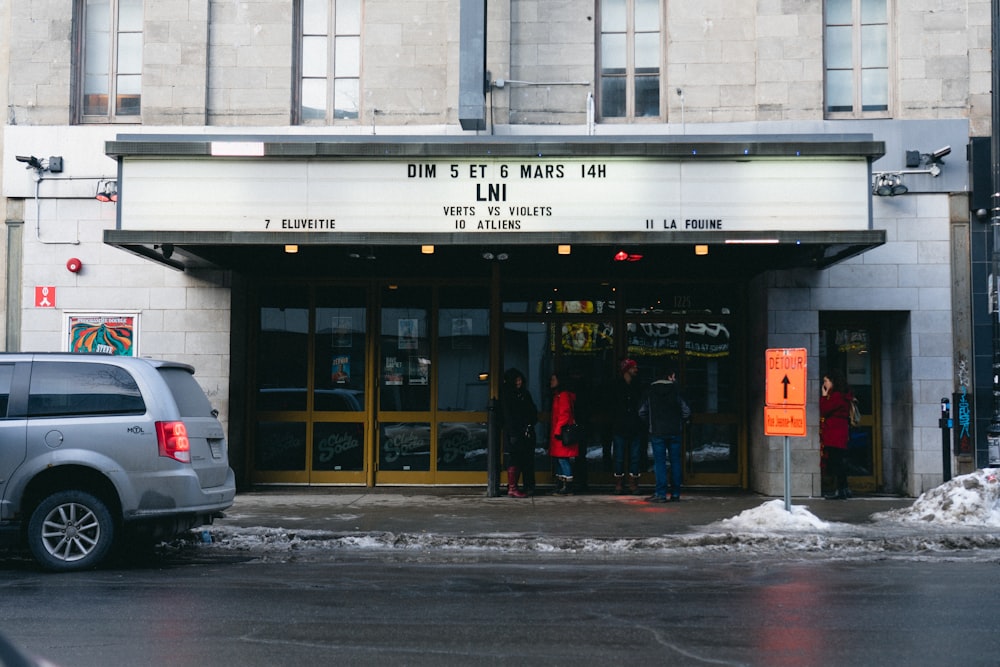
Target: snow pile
967,500
772,516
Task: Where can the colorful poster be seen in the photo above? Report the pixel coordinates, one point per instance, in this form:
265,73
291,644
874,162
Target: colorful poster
103,334
392,371
340,373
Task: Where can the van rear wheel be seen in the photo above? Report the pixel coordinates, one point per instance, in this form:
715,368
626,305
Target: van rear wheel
70,530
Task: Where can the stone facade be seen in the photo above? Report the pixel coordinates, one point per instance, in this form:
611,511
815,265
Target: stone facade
728,68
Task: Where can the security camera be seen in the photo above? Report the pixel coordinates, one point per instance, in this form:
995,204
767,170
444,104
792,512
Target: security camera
940,153
31,161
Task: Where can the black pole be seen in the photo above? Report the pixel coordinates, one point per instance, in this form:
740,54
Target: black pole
993,435
945,424
492,452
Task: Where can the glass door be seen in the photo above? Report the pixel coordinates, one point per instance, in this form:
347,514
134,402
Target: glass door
708,370
848,344
695,329
311,378
339,397
404,385
433,385
574,338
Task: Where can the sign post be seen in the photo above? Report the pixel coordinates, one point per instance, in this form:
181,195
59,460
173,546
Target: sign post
785,402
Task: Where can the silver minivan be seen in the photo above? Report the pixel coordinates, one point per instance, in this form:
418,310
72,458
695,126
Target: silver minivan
98,450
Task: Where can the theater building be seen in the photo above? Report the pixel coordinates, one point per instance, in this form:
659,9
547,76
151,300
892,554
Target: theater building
352,217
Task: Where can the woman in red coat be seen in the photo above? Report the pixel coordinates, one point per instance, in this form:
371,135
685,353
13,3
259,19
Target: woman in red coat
562,454
835,430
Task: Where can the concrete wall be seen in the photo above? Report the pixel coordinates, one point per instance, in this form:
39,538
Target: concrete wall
225,63
909,275
743,68
181,316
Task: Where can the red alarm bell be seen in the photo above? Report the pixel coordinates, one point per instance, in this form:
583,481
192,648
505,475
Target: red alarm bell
74,265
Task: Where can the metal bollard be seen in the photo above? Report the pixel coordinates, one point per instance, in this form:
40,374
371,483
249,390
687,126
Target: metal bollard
492,452
945,424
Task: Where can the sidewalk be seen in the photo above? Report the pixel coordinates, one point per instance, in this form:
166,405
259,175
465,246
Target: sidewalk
465,512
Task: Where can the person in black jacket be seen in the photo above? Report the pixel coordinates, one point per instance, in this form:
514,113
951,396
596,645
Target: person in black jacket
667,412
519,417
626,426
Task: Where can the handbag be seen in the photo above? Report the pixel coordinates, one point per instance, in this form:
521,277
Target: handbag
855,414
571,434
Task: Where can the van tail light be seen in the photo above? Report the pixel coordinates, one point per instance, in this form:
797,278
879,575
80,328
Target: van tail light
172,438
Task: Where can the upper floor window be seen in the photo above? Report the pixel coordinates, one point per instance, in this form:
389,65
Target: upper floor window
111,68
630,54
328,67
856,51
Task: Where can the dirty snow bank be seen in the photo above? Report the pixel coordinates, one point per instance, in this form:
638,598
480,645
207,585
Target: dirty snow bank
967,500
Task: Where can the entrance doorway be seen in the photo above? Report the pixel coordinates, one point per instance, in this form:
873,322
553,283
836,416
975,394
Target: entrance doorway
370,383
692,330
848,343
373,383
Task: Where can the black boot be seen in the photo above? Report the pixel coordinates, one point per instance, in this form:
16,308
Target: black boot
563,488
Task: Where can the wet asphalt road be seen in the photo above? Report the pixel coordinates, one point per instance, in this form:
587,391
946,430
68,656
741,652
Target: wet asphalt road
211,607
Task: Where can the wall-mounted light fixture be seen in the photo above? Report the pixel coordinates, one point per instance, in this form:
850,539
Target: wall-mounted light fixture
427,249
701,249
564,249
291,248
107,191
889,185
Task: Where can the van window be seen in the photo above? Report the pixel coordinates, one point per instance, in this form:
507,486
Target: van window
188,394
6,373
67,389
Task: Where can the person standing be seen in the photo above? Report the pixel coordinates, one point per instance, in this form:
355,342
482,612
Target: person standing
835,431
563,454
667,412
626,426
519,417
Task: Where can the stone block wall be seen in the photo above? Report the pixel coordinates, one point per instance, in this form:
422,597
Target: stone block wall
183,316
905,284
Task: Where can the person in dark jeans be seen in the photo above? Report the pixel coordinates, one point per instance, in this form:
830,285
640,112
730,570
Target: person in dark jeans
667,412
519,417
627,426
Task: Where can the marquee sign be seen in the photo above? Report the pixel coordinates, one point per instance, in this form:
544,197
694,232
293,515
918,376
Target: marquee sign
494,196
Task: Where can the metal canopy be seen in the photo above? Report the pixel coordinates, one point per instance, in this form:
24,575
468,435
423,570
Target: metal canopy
400,254
735,255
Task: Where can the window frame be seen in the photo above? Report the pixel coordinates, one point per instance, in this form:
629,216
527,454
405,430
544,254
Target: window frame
331,77
630,74
858,68
81,41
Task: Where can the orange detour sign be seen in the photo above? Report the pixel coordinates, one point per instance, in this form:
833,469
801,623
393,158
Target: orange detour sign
785,377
